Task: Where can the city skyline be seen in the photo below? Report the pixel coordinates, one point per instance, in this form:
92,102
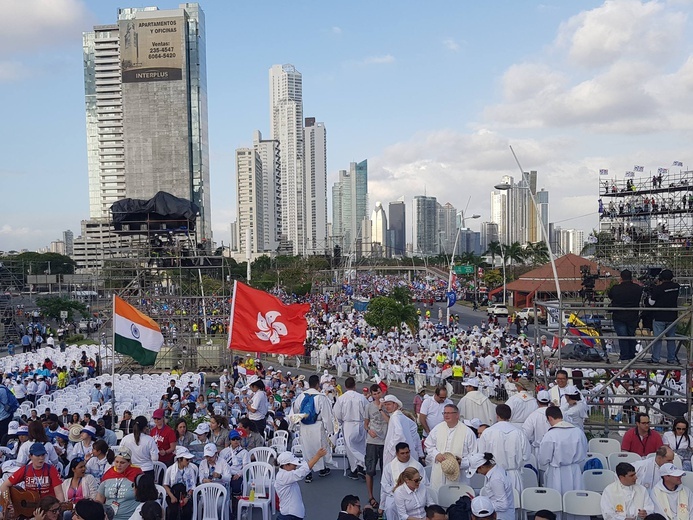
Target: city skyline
433,104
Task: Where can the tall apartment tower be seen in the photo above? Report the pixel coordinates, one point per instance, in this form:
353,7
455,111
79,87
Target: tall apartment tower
268,151
425,226
489,233
250,202
69,240
146,109
447,228
286,126
397,230
543,216
379,231
315,175
350,206
513,211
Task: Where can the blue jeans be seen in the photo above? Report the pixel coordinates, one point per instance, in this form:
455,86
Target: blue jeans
657,328
626,346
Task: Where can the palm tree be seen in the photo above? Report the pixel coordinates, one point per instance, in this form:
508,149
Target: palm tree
494,249
512,252
537,252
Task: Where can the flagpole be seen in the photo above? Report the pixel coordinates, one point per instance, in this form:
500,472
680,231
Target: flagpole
233,307
113,387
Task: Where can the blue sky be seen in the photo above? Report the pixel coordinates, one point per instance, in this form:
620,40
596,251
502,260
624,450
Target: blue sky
431,93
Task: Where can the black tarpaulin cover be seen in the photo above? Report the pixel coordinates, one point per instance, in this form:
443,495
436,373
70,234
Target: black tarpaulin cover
163,211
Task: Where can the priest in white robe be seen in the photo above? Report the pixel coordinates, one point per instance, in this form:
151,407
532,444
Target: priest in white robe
450,436
647,470
672,499
508,444
536,426
403,460
350,411
563,450
522,405
624,498
474,404
400,428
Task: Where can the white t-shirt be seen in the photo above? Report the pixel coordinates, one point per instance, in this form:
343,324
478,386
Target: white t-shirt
259,403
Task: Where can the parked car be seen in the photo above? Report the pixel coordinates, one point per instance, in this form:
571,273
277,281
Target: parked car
529,314
497,309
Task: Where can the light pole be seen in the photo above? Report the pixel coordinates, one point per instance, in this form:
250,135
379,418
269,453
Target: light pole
452,264
544,231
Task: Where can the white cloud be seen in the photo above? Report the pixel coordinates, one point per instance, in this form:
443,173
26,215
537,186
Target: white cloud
451,45
33,24
378,60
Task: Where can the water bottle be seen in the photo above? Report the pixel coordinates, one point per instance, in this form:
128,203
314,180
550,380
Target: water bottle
251,497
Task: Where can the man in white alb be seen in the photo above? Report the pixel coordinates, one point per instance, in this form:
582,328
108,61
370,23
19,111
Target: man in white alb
350,411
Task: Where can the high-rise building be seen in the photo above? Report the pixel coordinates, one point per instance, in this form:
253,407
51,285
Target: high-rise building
397,230
379,231
425,226
315,174
513,211
489,233
569,241
543,215
146,105
350,206
268,151
286,126
69,240
469,242
249,208
447,228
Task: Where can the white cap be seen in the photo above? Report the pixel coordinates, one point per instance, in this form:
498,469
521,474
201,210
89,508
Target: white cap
210,449
202,428
472,381
476,460
183,452
543,396
287,458
473,423
482,507
669,470
571,390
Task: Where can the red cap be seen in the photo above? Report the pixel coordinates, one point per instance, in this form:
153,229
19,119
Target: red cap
158,413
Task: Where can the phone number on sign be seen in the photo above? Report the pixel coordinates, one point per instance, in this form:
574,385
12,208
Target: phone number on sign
162,55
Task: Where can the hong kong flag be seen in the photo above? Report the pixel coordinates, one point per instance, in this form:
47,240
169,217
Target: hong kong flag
260,322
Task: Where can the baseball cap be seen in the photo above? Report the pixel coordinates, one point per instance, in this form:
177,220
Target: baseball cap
571,390
89,429
12,428
482,507
543,396
124,452
37,449
392,399
23,430
233,434
287,458
669,470
210,450
476,460
184,453
158,413
472,381
202,428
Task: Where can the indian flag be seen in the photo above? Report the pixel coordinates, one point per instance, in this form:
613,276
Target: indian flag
135,334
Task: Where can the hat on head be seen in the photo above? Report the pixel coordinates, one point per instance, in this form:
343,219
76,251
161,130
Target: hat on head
476,460
62,433
75,431
158,413
666,274
234,434
543,396
523,383
571,390
482,507
472,381
174,397
37,449
24,430
301,377
450,466
214,384
473,423
669,470
202,428
89,429
12,428
287,458
123,451
210,449
252,379
184,453
392,399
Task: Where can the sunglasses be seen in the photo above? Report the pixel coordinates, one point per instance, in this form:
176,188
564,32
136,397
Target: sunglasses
417,480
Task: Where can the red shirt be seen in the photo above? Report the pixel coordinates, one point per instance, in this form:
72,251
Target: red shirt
642,446
164,438
42,480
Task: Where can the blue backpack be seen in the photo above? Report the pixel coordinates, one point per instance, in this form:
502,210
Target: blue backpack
308,408
593,463
12,404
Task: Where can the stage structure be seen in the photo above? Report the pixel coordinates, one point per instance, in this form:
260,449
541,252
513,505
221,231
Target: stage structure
168,276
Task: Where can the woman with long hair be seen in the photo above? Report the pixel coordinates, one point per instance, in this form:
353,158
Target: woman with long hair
48,509
117,489
75,419
185,438
679,440
498,486
79,484
101,459
410,497
145,491
219,431
36,434
142,447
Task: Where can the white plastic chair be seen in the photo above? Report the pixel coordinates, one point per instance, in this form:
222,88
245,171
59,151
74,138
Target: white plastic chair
161,497
604,445
536,498
477,482
159,470
687,480
518,504
450,493
600,456
262,475
622,456
296,449
597,479
279,444
529,478
263,454
210,502
586,503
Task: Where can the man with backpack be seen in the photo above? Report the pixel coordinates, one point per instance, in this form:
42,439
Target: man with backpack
316,424
8,405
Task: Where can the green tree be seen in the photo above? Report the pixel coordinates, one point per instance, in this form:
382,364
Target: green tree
46,263
51,306
384,313
537,252
493,278
494,249
401,295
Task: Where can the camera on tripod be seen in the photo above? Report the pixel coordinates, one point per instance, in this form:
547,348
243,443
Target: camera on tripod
588,282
